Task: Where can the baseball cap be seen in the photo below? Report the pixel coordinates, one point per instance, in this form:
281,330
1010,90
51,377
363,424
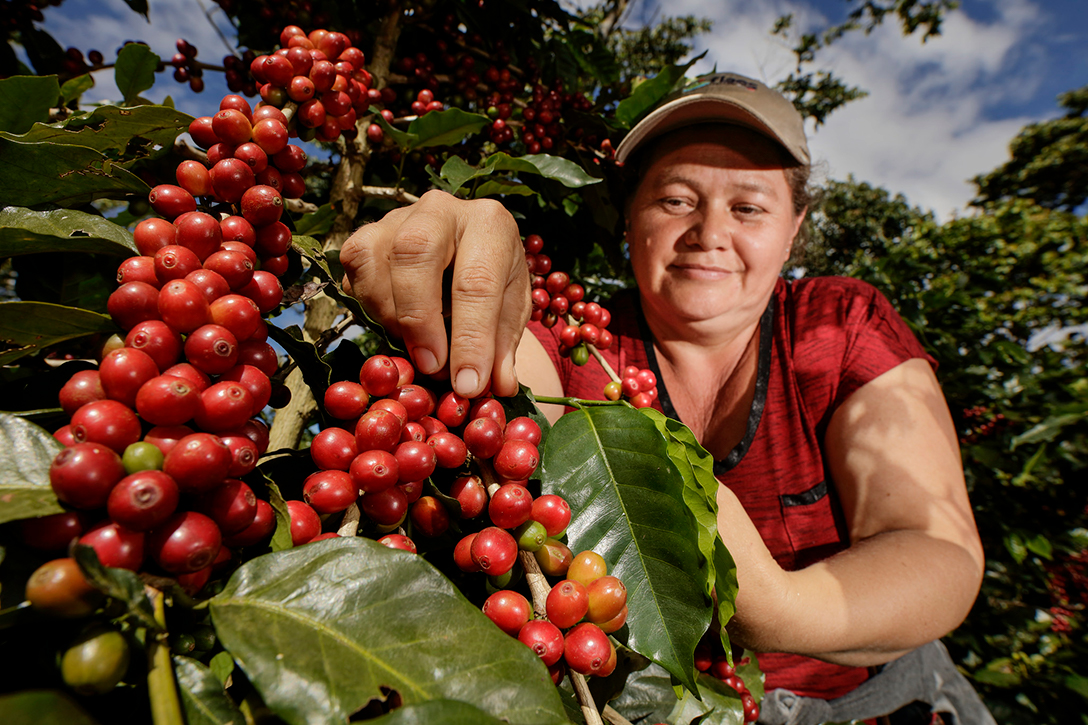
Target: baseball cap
723,98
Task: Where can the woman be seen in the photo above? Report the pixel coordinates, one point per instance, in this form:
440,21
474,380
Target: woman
844,503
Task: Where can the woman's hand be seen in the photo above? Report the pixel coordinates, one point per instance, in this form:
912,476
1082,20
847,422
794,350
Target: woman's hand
396,268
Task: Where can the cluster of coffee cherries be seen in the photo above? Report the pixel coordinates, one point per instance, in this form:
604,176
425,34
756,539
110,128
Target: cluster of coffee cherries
556,299
981,423
710,658
638,385
400,437
542,119
582,610
320,77
187,69
423,104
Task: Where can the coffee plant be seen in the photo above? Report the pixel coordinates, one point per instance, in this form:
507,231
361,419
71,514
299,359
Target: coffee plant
214,513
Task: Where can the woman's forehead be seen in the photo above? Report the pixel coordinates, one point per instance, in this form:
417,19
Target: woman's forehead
716,144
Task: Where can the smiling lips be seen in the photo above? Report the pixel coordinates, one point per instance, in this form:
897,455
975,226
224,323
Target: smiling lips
700,271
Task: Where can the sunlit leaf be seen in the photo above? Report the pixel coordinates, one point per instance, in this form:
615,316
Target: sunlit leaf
556,168
445,128
26,453
648,93
342,618
612,466
23,231
73,88
120,133
134,72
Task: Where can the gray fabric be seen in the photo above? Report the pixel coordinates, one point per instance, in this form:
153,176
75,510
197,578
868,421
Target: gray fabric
926,674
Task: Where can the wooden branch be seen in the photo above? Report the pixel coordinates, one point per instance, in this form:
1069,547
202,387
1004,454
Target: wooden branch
388,192
298,206
614,717
350,525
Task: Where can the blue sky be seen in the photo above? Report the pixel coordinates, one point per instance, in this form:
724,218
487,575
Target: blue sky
937,113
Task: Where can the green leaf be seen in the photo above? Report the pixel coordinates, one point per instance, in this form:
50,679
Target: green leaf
1014,544
999,672
717,704
25,100
316,223
203,698
648,93
612,466
76,87
1040,545
403,140
311,249
120,584
1077,684
445,128
135,71
501,187
23,231
42,707
28,327
648,696
222,665
456,172
342,618
48,173
447,712
123,134
26,453
1047,430
556,168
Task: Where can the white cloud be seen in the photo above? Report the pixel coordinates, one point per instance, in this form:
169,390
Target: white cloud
105,24
923,129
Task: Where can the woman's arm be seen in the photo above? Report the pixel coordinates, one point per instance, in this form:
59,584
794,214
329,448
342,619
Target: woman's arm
915,563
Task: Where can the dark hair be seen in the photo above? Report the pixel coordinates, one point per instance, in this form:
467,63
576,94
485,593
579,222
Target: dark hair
803,194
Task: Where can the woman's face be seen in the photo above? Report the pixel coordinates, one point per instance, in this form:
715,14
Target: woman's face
711,225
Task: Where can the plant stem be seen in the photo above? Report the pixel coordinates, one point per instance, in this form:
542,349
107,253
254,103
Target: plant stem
575,402
538,587
165,705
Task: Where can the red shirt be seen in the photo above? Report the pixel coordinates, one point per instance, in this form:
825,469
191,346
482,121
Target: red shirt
820,340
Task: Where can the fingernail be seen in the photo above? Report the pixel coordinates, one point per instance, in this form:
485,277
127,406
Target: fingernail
426,362
467,381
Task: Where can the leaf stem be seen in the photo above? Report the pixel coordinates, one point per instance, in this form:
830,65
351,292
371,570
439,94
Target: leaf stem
165,705
578,403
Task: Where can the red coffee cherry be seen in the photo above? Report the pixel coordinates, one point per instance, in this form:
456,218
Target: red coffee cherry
523,428
385,508
554,558
264,524
115,545
151,235
270,134
165,437
543,638
258,354
183,306
509,610
449,450
143,500
171,201
123,371
234,267
243,453
265,290
108,422
200,232
330,491
516,460
237,313
417,400
253,380
262,205
398,541
167,400
132,303
587,649
415,461
429,516
188,541
345,400
198,463
607,598
83,387
452,409
224,406
210,283
83,475
494,550
471,494
232,126
254,156
193,176
510,506
138,269
379,375
59,589
374,471
483,438
567,603
191,375
273,240
230,179
237,229
231,505
552,511
334,449
212,349
378,429
158,340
